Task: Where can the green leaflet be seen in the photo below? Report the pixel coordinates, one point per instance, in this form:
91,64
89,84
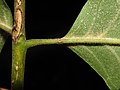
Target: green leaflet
5,22
5,17
99,19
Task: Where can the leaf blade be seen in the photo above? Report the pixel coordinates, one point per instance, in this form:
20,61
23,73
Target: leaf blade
99,19
5,22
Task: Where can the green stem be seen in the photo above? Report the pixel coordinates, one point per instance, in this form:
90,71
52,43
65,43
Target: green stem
18,63
18,49
73,41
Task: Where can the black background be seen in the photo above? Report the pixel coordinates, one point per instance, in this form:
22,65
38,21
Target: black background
51,67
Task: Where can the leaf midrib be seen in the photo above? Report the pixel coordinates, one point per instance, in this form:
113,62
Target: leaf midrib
74,41
5,27
92,40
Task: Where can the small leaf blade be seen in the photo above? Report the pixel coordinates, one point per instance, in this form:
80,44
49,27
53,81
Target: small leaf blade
99,19
6,22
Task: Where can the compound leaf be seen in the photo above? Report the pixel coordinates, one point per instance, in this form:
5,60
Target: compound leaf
99,19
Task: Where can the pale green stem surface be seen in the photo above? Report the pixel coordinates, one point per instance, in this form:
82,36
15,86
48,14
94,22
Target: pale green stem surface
18,63
18,56
73,41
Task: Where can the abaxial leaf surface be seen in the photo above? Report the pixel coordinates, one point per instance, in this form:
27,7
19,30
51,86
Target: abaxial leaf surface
99,19
5,22
5,17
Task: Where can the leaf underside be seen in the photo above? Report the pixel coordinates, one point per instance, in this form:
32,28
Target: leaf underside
5,22
5,17
99,19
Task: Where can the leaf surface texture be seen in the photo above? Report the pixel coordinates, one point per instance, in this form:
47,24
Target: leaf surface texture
5,22
99,19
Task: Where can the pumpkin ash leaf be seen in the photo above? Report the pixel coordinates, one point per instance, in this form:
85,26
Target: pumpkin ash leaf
6,22
99,19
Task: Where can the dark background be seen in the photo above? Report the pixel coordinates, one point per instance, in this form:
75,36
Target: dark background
51,67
